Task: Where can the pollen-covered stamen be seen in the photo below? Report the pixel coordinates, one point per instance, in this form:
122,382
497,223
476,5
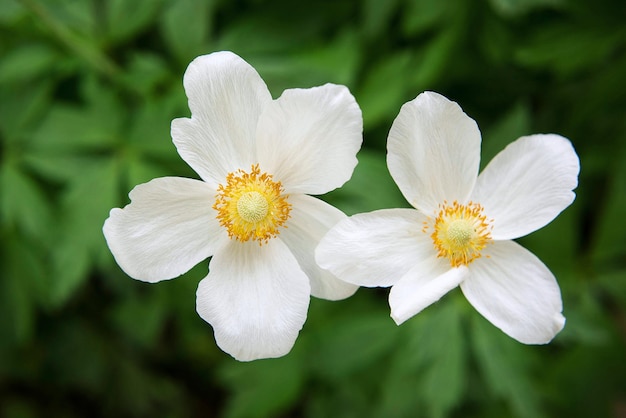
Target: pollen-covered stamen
251,205
461,232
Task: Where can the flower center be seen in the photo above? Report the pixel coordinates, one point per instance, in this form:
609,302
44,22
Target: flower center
251,205
461,232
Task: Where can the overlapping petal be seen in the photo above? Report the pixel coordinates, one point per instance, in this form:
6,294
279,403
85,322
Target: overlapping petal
168,228
310,219
433,152
226,97
256,294
376,248
256,298
528,184
308,138
516,292
423,285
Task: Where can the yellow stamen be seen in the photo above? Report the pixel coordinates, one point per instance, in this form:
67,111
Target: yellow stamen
251,205
461,232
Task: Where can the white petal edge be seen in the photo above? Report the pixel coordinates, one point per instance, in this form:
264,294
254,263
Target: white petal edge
256,298
310,219
516,292
376,248
226,97
422,286
433,152
168,228
308,138
528,184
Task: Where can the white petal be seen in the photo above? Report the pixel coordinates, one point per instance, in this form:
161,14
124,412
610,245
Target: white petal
376,248
433,152
256,298
308,138
516,292
168,228
528,184
422,286
310,219
226,96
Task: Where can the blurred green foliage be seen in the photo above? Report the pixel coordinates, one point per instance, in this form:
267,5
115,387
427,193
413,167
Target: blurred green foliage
87,92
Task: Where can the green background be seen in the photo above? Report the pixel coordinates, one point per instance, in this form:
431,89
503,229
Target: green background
87,92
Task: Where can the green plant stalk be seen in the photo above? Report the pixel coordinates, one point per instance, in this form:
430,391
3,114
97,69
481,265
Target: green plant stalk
95,58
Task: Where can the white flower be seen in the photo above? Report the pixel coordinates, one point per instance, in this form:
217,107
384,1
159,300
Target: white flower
461,233
258,159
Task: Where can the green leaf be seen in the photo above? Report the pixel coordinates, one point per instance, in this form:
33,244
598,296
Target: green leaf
512,125
94,127
68,129
349,344
608,241
385,88
429,365
76,356
18,408
614,284
21,107
335,61
127,18
147,310
142,172
585,311
22,288
70,265
10,12
566,52
505,366
186,26
63,167
146,72
23,203
444,358
370,188
149,133
514,8
557,243
434,60
76,15
27,62
85,205
262,34
423,15
264,388
377,16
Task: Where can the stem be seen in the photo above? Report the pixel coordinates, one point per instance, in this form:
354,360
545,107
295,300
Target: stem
95,58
